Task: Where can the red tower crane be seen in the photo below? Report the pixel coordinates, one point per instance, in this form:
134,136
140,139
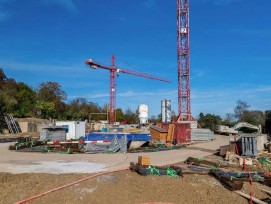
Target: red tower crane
183,50
113,72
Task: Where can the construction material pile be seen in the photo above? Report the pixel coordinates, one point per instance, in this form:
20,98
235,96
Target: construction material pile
28,144
232,180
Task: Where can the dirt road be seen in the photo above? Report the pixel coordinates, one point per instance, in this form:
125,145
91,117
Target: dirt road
14,162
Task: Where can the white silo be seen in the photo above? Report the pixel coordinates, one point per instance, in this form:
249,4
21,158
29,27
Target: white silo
143,113
166,111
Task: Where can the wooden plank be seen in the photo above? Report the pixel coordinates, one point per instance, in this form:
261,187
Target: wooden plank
266,191
171,129
255,200
144,160
158,129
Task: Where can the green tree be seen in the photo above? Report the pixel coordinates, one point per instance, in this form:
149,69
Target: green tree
26,98
80,108
9,91
119,115
156,119
45,109
52,92
254,117
130,117
9,102
209,120
3,78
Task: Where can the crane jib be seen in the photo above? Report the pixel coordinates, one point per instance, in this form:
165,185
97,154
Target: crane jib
113,71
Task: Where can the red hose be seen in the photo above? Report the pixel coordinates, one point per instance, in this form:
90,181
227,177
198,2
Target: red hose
252,188
245,165
235,144
67,185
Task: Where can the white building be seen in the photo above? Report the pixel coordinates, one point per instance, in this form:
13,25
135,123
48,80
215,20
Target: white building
143,113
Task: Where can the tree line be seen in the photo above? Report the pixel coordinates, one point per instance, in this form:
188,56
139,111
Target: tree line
241,113
48,101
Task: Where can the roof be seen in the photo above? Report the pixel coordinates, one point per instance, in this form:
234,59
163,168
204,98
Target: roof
158,129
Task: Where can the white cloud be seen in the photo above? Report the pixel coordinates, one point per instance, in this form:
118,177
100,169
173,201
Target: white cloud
137,95
99,95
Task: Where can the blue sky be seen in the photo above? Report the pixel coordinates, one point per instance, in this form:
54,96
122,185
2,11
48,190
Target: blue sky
49,40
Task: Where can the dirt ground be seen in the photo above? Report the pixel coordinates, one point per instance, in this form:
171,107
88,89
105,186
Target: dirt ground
121,187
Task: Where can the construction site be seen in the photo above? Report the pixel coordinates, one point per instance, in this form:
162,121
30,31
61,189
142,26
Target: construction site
102,155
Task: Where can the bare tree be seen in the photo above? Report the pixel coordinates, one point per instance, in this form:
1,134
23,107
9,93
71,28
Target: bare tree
240,108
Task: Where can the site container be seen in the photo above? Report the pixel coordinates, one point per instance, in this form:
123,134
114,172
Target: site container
261,139
247,146
182,133
74,129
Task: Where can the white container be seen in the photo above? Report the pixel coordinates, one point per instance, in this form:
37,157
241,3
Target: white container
143,113
75,129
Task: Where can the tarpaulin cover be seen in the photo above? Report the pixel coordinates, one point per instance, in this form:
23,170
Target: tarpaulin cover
106,136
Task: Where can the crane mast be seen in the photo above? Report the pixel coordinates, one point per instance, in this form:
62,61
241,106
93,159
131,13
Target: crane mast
183,54
113,85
